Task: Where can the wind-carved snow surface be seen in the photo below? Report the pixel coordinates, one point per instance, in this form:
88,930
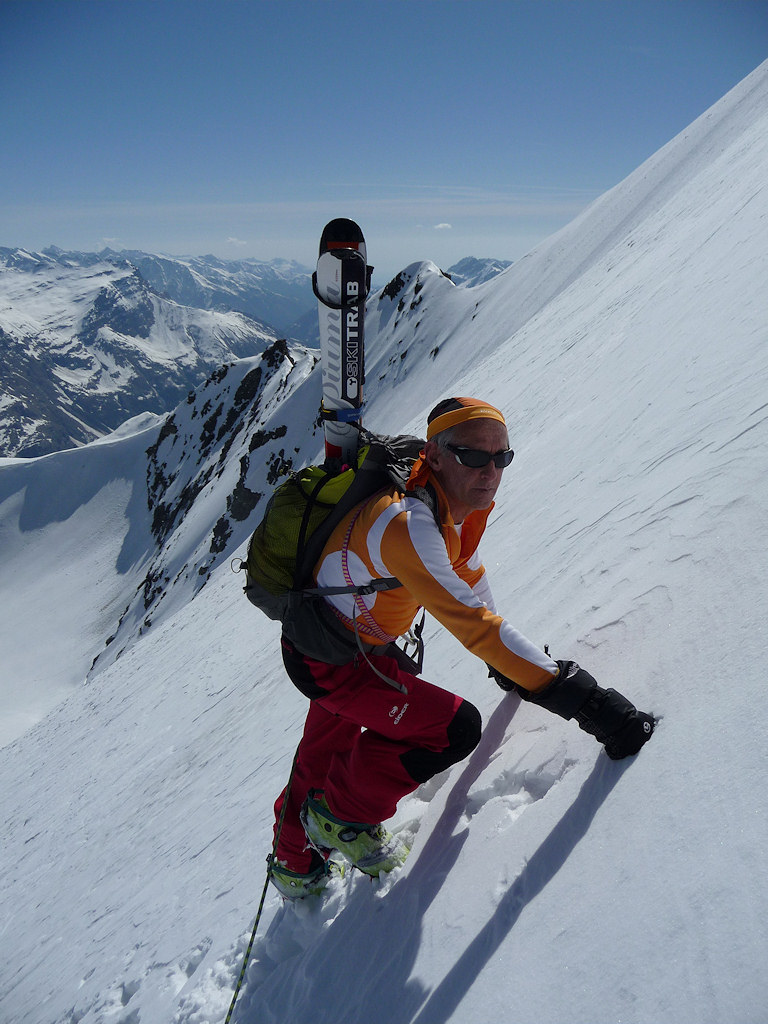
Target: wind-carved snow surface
545,882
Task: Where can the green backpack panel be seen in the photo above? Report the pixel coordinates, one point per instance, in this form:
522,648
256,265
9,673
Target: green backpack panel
299,518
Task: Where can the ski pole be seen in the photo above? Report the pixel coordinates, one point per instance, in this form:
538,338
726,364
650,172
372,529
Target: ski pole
270,860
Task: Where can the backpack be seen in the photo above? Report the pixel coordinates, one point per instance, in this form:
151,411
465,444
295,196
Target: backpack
299,519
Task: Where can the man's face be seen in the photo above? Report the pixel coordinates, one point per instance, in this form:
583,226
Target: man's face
469,489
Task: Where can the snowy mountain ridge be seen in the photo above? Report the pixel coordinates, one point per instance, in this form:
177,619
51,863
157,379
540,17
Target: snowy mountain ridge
277,292
92,339
88,344
213,465
186,481
545,883
472,271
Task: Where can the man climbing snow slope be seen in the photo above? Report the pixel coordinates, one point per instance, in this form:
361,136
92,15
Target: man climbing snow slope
375,730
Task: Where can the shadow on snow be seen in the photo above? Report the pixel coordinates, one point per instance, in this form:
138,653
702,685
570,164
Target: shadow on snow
361,962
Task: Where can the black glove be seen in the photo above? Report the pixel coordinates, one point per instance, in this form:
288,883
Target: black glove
616,722
501,679
604,714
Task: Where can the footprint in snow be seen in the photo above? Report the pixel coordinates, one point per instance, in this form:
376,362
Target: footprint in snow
516,789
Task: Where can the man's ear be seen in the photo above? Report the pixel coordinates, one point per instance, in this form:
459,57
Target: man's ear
433,455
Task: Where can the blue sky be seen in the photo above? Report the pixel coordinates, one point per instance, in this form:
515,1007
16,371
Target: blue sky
446,127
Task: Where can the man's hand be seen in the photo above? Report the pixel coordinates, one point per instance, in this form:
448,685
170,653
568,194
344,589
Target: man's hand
614,721
605,714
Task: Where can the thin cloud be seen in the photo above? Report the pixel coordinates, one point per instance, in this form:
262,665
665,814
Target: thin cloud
443,227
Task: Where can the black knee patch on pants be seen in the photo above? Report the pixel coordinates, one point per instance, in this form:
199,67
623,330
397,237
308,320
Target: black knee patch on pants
463,736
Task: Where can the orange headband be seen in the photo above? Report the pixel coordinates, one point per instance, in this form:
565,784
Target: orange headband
471,409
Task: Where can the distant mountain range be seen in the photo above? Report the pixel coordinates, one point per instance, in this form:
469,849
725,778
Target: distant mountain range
277,292
471,271
87,344
90,340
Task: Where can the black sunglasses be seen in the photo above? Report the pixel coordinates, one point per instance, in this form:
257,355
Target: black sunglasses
474,458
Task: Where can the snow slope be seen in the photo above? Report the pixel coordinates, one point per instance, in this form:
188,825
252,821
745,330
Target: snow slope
136,523
545,883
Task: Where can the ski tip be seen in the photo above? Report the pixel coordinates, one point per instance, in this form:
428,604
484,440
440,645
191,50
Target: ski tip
341,233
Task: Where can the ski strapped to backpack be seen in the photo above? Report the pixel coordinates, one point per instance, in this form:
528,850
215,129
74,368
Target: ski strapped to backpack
299,519
341,284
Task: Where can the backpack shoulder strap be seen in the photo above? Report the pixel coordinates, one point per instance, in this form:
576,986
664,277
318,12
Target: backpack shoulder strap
428,495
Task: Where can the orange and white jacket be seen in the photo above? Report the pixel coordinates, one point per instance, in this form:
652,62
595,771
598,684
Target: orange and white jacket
393,534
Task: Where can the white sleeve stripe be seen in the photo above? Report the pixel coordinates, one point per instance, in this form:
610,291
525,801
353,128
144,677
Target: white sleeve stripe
483,590
520,645
474,561
376,532
429,543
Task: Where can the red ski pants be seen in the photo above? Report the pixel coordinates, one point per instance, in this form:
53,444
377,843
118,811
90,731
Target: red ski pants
366,744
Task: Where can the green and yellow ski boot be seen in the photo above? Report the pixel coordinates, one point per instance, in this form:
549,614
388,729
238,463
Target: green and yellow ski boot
370,848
